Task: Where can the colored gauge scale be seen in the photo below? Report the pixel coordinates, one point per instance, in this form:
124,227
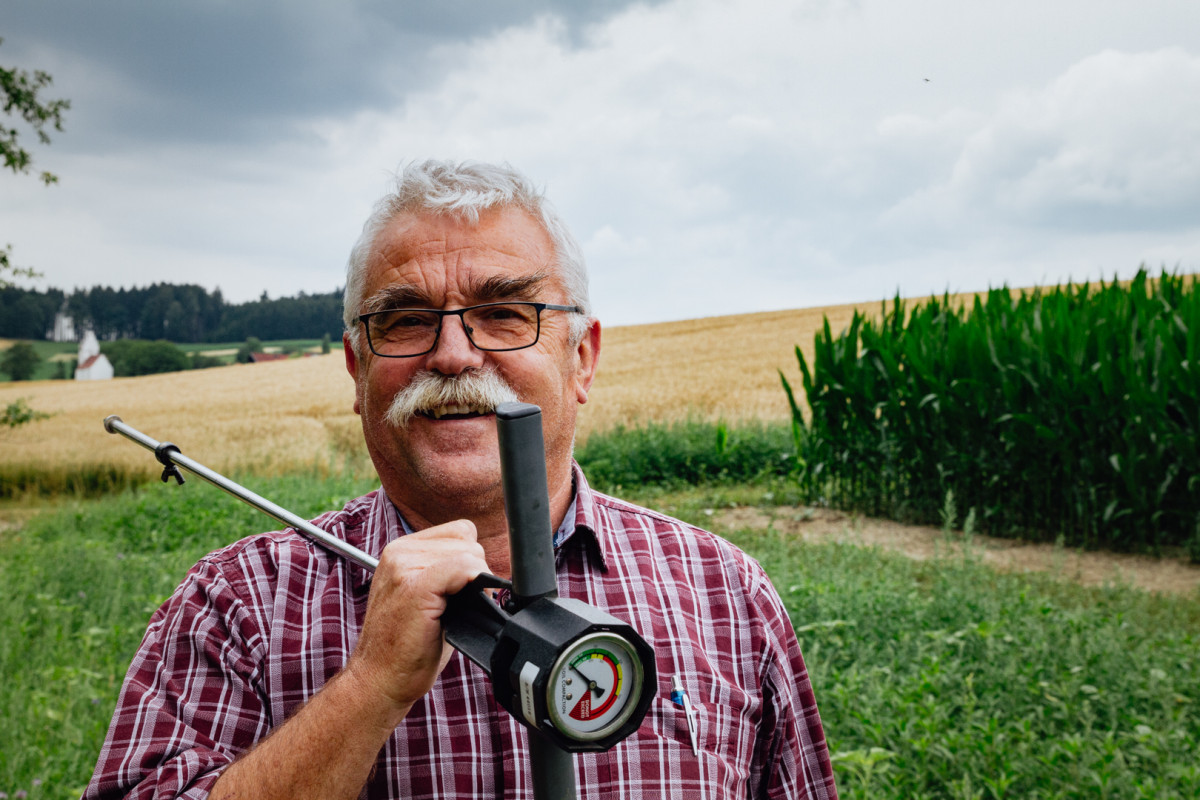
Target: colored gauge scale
594,686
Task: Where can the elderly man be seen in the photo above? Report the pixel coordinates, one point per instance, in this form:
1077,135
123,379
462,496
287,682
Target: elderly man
280,671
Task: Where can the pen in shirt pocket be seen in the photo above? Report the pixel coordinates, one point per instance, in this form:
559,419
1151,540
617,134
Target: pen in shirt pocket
680,698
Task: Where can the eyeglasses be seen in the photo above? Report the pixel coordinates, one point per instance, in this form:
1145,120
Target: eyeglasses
498,327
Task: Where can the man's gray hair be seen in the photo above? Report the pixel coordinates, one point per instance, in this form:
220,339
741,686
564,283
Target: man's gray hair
465,190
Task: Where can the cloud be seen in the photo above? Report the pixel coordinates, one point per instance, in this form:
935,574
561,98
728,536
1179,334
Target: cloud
194,70
712,157
662,125
1109,145
704,140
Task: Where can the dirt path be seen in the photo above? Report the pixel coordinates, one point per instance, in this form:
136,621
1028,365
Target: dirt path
1168,575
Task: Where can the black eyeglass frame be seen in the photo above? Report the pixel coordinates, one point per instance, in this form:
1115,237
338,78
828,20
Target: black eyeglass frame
442,313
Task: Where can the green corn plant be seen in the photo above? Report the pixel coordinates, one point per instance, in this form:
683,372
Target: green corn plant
1072,411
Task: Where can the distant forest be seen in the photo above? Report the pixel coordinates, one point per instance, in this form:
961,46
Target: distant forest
177,313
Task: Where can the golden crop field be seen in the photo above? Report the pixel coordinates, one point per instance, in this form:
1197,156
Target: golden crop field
278,416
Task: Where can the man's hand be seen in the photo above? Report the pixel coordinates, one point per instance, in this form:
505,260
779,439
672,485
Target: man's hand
328,748
401,649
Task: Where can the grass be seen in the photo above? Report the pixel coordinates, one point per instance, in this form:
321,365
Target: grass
946,679
686,452
273,346
935,679
77,587
50,353
226,352
661,454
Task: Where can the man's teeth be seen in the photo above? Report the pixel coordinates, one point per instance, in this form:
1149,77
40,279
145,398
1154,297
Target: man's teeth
442,411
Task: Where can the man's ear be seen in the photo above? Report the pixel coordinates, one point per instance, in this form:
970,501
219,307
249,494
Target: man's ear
352,366
588,353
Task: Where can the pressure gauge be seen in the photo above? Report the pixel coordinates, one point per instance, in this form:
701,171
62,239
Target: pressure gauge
594,686
579,676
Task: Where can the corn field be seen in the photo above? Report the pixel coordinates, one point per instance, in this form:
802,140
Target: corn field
1072,412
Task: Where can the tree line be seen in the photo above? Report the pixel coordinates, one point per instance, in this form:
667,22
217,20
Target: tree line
176,312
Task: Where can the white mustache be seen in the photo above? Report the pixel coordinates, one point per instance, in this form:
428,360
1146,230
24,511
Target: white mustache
429,392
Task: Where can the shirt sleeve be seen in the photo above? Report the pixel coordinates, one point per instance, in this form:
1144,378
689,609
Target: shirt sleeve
189,704
792,759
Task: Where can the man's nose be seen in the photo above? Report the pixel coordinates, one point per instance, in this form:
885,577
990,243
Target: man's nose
454,352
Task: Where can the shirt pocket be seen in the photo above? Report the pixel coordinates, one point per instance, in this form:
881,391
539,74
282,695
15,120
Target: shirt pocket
660,753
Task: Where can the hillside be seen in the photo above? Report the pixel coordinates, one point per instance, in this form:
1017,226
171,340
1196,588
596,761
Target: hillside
277,416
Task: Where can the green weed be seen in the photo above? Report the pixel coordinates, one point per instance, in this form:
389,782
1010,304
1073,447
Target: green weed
935,679
687,453
77,587
945,680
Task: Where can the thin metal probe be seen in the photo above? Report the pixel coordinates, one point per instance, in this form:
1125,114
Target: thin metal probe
113,424
531,547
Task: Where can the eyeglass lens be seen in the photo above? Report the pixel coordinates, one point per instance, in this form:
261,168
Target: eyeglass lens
403,332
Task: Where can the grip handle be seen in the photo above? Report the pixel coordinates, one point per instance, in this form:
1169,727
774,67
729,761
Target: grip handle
526,501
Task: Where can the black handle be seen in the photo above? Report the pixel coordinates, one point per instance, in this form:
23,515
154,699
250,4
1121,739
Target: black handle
526,502
473,621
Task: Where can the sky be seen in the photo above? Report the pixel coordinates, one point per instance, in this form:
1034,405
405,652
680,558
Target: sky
712,157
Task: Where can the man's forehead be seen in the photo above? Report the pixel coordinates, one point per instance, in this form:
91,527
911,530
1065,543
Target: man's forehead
506,229
478,289
431,260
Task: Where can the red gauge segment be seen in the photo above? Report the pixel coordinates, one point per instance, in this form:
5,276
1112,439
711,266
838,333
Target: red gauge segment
601,674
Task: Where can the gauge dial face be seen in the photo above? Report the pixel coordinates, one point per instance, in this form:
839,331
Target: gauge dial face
594,686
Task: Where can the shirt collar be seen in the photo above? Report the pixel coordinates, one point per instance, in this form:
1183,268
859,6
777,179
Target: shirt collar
586,518
581,520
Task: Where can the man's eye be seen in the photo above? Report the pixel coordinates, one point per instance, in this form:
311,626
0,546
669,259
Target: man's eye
402,320
504,314
399,322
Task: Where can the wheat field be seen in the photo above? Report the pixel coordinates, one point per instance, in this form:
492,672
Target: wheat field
279,416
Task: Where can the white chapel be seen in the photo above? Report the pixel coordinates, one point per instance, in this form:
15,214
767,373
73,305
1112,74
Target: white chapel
92,365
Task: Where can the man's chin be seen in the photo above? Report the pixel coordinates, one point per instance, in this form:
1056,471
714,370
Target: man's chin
466,480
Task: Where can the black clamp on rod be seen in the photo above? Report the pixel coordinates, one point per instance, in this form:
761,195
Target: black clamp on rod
163,453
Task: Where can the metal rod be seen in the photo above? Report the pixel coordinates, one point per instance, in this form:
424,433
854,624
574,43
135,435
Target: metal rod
552,768
113,424
531,550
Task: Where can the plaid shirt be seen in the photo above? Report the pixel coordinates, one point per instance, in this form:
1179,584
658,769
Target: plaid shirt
257,628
